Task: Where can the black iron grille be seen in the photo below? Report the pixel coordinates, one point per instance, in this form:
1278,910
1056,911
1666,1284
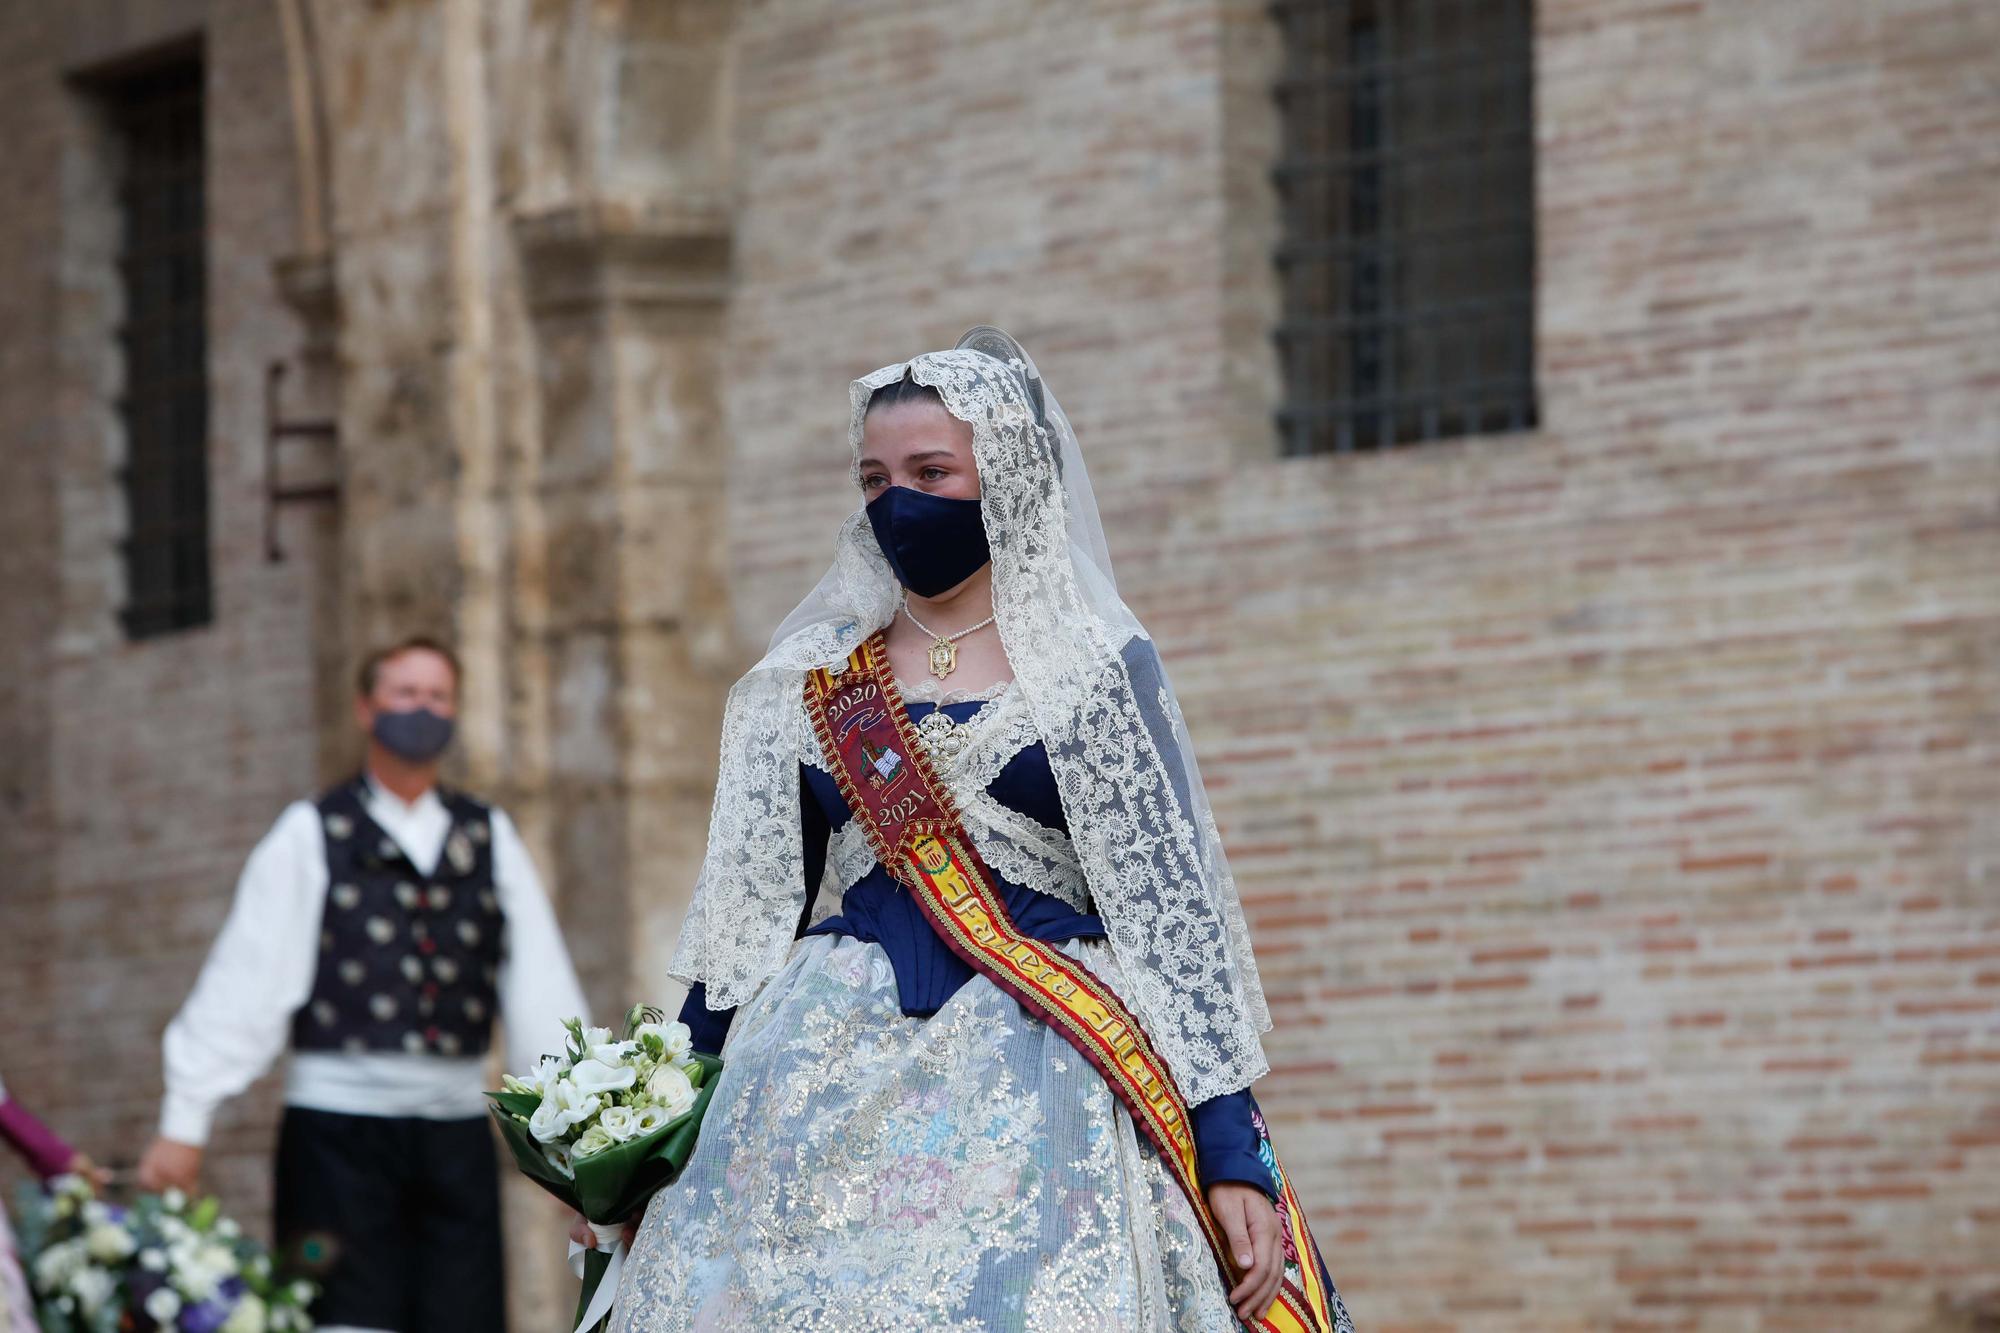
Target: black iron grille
164,338
1407,187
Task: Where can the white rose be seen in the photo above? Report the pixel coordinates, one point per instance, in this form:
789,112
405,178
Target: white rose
619,1122
108,1242
594,1077
592,1140
247,1317
163,1305
54,1265
615,1054
673,1040
564,1106
200,1269
671,1091
92,1287
547,1123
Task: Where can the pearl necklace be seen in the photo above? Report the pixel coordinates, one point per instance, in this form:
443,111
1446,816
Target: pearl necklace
944,647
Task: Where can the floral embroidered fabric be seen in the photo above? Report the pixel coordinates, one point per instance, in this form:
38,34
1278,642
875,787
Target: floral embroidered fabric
859,1170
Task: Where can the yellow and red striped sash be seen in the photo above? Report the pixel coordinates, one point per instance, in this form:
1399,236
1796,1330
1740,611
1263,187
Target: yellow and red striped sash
914,830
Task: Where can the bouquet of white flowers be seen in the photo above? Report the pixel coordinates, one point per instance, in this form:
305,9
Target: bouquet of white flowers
605,1124
160,1264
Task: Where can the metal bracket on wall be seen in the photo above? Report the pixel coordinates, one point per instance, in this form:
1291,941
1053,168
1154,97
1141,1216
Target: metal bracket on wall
277,429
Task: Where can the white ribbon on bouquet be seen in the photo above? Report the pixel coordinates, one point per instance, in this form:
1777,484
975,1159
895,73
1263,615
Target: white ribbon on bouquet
611,1240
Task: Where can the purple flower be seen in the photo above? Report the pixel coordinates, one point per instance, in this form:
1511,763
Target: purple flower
206,1317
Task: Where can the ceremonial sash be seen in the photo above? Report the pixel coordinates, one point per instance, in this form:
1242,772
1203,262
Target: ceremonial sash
914,829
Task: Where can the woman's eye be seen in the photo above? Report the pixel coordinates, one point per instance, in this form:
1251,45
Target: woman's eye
932,474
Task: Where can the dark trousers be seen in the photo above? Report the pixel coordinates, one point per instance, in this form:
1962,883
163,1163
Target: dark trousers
397,1219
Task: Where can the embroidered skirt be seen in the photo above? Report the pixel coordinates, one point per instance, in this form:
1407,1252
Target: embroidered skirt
861,1170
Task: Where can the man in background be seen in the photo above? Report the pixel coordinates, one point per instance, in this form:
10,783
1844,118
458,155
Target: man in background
379,931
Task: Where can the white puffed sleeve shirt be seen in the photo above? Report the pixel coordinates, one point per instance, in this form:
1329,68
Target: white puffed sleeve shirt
261,969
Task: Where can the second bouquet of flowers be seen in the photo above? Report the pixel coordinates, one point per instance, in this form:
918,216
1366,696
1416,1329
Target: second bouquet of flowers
162,1264
606,1123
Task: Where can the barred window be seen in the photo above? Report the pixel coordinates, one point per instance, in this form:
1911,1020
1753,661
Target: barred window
1407,187
157,119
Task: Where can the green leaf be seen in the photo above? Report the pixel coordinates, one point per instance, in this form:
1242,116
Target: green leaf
515,1103
528,1157
595,1262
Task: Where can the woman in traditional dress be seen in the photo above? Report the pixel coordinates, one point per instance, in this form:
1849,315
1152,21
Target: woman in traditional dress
910,1130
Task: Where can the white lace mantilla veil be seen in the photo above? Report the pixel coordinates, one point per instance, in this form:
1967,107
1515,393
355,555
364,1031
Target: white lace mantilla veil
1131,792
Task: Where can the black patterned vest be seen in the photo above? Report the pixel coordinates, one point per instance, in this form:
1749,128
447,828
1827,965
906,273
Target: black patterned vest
407,962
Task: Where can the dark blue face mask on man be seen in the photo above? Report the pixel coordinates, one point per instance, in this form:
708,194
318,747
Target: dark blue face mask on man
417,735
933,543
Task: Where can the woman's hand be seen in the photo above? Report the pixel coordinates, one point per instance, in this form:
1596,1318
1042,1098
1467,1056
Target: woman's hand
81,1165
1250,1224
580,1232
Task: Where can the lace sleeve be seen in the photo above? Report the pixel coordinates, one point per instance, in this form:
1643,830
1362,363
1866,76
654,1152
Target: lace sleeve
752,890
1156,701
1156,872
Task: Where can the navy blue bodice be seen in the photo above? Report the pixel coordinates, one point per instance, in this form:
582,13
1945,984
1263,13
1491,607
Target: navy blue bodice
880,911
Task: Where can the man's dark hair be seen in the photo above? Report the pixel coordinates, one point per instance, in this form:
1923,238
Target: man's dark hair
371,665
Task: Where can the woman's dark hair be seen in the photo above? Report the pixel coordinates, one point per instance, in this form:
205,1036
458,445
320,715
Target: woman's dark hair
905,390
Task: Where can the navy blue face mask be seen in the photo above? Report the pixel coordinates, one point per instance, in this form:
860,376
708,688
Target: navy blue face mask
933,543
418,735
